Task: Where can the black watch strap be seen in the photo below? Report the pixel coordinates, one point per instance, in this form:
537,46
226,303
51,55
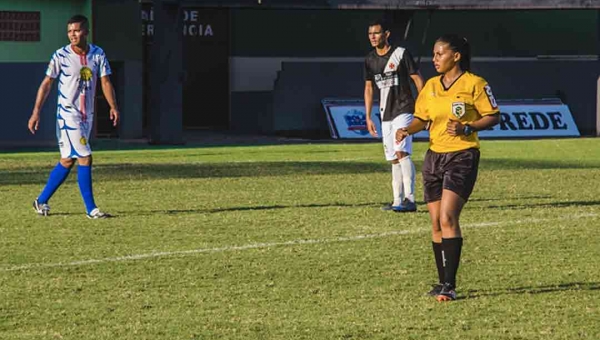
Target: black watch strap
467,130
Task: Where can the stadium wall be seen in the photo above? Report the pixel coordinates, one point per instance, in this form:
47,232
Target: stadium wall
118,31
297,108
265,41
267,46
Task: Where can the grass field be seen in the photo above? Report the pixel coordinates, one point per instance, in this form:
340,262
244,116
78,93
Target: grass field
289,242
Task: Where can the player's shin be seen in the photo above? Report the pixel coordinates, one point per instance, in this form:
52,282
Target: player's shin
84,179
57,177
451,250
397,184
408,177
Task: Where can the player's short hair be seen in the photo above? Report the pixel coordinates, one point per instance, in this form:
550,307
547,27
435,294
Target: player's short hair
81,19
461,45
380,22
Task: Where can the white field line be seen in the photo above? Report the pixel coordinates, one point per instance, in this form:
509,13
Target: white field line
276,244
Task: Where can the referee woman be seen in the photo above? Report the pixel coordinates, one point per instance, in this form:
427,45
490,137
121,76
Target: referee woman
453,106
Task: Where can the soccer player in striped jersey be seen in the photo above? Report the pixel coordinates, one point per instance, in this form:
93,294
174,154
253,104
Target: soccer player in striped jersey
77,67
456,104
391,68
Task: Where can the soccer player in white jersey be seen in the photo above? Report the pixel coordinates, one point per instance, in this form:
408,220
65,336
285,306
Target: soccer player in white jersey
77,67
391,68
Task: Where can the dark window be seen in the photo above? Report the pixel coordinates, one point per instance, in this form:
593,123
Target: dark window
19,26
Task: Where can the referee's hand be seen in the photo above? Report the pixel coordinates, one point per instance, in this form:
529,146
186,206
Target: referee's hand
401,134
454,128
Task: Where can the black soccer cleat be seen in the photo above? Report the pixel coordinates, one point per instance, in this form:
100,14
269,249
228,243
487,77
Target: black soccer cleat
435,289
447,293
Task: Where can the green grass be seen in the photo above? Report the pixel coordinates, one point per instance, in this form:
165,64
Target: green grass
288,242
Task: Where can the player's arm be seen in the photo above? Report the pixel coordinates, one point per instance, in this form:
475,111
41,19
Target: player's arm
417,78
109,93
369,107
40,99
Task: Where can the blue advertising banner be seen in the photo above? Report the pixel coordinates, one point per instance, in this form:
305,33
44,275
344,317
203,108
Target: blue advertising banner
519,119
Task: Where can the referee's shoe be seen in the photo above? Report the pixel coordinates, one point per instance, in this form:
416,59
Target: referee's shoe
447,293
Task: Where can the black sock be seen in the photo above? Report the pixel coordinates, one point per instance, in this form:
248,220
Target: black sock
451,248
439,262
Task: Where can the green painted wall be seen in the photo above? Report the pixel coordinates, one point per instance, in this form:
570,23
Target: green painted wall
54,17
515,33
300,33
342,33
122,41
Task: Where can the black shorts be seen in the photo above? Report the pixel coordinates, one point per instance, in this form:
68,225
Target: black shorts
454,171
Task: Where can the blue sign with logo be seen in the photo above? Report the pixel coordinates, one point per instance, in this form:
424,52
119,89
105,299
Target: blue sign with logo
518,118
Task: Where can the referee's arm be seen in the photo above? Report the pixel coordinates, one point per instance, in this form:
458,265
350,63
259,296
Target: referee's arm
415,126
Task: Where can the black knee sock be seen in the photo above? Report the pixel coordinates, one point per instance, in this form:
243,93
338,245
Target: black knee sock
439,262
451,248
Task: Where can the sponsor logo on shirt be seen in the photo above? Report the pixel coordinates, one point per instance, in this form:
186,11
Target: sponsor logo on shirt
490,95
386,80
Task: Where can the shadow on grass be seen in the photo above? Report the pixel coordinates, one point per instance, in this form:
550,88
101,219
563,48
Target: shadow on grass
260,207
531,164
509,197
573,286
166,170
235,209
546,205
127,171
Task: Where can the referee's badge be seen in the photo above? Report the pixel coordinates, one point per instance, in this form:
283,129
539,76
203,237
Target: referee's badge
458,109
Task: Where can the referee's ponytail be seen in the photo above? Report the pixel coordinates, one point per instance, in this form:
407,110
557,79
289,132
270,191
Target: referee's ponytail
461,45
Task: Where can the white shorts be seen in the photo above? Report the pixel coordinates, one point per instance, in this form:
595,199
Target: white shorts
73,136
388,131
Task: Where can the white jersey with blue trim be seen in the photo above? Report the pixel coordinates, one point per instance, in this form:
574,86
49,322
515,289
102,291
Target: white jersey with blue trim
77,76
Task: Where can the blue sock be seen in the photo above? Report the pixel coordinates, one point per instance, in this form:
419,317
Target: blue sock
84,178
57,177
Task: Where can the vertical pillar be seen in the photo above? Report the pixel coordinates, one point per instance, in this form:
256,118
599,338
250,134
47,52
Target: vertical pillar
166,74
598,81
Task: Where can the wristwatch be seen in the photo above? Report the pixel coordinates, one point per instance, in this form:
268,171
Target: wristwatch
467,130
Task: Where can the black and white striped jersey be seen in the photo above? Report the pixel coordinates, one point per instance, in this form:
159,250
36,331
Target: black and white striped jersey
391,73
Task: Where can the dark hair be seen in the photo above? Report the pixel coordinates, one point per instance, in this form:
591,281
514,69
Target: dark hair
380,22
81,19
461,45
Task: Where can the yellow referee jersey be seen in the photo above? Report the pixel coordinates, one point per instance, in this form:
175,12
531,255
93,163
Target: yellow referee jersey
466,100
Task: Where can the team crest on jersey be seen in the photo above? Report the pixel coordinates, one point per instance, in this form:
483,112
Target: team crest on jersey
458,109
392,66
85,82
83,141
85,73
